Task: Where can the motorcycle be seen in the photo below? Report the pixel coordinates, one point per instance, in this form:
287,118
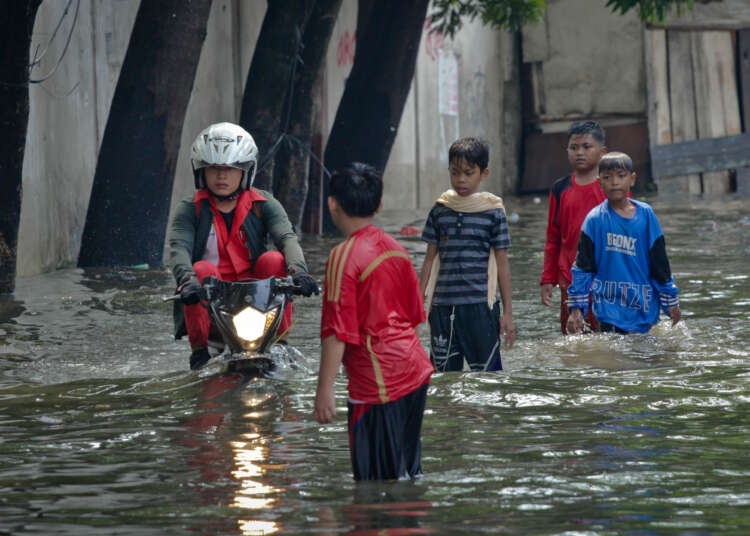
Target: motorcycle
247,314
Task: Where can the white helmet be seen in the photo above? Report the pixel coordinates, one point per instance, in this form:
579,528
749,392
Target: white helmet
224,144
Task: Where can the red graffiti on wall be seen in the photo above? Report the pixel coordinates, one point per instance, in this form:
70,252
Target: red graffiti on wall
434,41
346,48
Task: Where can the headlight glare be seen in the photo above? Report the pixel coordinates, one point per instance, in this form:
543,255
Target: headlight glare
250,324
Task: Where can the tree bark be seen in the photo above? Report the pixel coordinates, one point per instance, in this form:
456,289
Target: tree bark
129,206
15,42
267,85
293,159
367,119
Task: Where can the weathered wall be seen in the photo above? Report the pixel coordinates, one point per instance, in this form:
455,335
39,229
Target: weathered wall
469,103
67,117
69,111
417,168
722,14
585,62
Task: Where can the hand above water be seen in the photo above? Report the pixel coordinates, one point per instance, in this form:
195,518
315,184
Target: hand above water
575,321
306,282
190,291
675,314
547,298
325,405
507,328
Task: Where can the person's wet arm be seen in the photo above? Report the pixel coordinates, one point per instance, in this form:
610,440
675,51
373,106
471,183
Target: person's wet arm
424,274
504,284
325,396
552,245
284,238
583,274
663,281
181,240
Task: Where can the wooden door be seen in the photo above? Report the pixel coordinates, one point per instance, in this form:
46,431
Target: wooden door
694,112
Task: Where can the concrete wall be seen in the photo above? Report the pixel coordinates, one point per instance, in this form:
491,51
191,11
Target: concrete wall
727,14
585,62
478,55
416,173
69,111
67,117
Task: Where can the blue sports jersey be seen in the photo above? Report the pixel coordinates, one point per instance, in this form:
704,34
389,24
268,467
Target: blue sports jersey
622,263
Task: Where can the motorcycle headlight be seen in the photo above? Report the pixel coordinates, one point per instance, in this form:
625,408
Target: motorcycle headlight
251,324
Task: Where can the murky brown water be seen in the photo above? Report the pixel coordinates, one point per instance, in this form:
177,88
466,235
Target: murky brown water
104,431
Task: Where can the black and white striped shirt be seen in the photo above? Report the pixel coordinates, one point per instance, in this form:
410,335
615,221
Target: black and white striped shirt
464,240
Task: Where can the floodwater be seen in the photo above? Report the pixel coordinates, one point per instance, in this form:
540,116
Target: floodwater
103,430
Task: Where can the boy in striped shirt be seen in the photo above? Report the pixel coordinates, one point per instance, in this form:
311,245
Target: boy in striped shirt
371,308
466,260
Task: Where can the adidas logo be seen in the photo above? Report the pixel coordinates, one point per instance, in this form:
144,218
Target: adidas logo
439,341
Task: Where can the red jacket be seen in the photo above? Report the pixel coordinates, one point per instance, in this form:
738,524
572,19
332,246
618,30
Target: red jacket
234,252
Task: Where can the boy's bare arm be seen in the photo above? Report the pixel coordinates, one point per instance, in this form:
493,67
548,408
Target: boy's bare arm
330,360
675,314
546,292
424,274
506,291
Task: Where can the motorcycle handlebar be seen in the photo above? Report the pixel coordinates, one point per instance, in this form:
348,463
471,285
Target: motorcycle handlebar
282,284
287,285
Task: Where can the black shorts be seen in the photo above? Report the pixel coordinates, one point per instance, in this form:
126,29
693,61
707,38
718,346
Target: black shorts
465,332
385,439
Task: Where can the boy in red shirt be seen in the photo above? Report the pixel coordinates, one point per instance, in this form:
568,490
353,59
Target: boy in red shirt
371,306
570,199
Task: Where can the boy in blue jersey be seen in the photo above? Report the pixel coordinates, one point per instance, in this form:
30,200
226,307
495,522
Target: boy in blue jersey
622,259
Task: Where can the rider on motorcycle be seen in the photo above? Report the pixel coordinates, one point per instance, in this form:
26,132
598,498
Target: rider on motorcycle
222,232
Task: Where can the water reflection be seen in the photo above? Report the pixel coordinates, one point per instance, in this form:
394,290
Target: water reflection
237,412
10,308
380,508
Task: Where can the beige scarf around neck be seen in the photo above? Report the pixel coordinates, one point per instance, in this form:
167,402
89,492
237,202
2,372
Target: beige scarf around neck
476,202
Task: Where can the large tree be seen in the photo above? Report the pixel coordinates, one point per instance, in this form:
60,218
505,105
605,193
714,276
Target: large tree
15,42
275,59
293,159
368,115
129,206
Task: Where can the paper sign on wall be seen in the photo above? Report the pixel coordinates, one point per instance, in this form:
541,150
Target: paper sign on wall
447,83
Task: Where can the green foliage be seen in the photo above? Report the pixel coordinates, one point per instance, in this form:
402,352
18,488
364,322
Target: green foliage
649,10
505,14
448,15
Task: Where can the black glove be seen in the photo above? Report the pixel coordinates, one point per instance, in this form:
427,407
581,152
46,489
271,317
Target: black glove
307,284
190,292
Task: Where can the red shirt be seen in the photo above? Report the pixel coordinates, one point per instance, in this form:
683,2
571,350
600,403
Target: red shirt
372,302
568,205
234,253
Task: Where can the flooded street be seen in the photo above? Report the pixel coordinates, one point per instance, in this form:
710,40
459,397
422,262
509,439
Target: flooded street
104,430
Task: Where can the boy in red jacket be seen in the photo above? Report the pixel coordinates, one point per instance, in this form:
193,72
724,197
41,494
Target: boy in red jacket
570,199
372,304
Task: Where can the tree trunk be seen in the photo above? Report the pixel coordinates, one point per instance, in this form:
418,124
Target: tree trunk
15,42
367,119
267,85
293,159
129,206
